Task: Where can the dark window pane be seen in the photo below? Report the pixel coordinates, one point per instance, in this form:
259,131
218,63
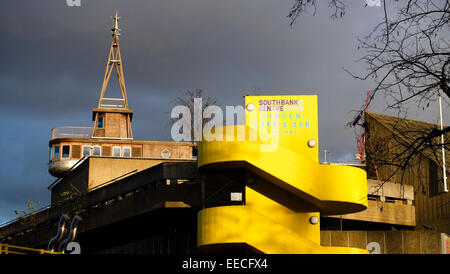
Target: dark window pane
100,122
97,150
66,151
127,152
56,152
86,151
433,179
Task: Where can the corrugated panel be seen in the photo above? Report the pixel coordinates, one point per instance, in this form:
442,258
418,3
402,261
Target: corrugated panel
136,152
76,151
106,151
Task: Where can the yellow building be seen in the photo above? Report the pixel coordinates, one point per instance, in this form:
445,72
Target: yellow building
283,187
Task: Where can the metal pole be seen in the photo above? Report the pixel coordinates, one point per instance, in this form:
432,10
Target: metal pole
325,152
444,173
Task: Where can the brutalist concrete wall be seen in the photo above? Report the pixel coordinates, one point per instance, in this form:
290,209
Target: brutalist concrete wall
390,242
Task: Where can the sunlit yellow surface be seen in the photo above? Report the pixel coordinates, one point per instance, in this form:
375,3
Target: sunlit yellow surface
333,189
291,184
240,224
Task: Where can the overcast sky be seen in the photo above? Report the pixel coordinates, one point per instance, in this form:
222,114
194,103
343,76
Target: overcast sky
53,60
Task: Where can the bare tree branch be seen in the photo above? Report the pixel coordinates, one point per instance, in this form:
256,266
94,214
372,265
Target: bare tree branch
407,55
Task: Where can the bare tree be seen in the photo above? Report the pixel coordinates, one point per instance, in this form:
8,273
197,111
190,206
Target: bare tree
303,6
403,150
187,99
408,57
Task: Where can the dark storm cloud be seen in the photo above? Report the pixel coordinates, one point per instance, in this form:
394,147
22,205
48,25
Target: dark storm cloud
54,56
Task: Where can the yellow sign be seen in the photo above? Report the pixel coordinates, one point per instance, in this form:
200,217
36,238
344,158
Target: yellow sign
293,119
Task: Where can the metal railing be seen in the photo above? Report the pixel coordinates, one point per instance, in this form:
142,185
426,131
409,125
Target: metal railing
71,132
112,103
113,180
13,249
25,216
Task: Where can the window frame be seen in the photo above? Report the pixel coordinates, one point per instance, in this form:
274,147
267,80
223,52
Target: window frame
123,152
57,152
99,151
82,152
120,151
62,154
102,119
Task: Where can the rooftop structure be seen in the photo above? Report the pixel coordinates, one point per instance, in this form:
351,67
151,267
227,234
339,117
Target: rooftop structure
111,134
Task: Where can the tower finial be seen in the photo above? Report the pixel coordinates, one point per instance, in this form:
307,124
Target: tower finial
115,29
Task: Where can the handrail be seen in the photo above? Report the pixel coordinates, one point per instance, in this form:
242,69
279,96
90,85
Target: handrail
112,138
24,216
48,206
112,103
71,132
113,180
113,99
6,249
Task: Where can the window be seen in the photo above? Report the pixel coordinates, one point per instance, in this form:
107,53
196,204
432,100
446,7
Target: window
165,153
433,179
116,152
100,122
236,196
56,152
97,150
65,151
86,151
127,152
50,155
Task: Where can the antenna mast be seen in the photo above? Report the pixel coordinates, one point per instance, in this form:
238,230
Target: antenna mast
117,105
114,61
444,173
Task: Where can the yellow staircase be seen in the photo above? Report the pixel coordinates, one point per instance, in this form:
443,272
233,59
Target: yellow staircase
287,188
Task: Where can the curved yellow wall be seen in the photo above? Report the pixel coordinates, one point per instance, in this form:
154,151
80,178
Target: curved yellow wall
326,186
240,224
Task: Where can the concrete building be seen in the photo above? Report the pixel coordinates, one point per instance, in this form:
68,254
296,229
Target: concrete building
420,184
412,198
408,210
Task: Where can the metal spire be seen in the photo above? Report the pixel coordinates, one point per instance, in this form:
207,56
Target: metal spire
115,30
114,62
